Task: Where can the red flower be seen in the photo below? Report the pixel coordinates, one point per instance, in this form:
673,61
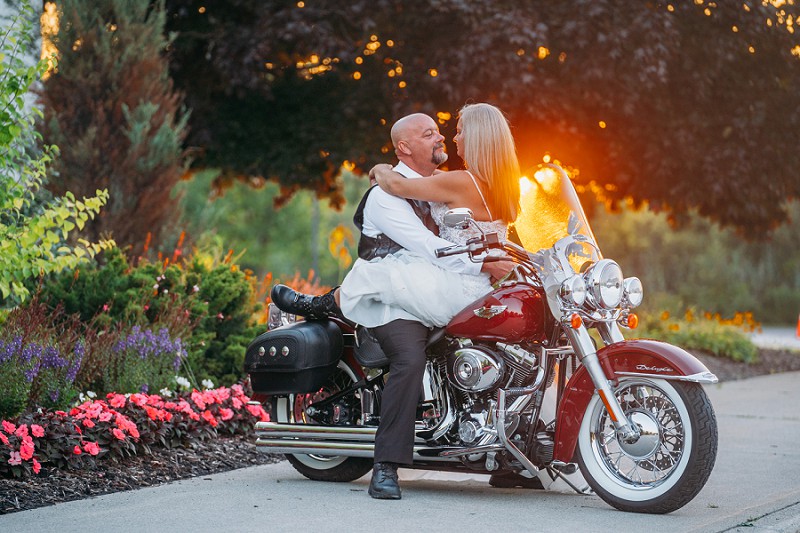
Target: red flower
26,451
118,433
88,423
208,417
37,467
225,414
92,448
77,450
37,430
8,427
134,432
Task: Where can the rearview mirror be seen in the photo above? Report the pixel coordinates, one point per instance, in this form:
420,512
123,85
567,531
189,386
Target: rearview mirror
459,218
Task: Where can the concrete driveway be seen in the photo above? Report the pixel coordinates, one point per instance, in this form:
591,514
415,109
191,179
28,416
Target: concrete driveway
755,487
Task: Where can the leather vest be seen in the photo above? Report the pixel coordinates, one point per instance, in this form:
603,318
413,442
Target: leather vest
381,246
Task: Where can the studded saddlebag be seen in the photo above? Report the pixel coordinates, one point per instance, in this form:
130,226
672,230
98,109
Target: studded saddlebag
298,357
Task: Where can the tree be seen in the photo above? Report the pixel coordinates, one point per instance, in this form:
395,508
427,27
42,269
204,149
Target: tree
32,229
691,105
111,107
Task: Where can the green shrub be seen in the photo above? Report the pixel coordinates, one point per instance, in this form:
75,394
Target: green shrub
33,232
206,301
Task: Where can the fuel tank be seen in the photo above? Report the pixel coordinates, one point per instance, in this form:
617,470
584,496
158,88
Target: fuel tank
514,312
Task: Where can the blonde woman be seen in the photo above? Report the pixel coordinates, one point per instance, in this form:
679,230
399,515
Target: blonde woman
489,186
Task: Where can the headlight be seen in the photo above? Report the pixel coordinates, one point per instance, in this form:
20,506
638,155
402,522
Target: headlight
573,291
634,292
604,280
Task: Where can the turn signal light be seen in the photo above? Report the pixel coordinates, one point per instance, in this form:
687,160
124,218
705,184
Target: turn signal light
575,321
633,320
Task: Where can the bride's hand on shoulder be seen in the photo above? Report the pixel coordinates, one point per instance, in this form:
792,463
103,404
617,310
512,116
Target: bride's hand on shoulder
383,175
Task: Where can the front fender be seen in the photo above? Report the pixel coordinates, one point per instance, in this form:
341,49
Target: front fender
647,358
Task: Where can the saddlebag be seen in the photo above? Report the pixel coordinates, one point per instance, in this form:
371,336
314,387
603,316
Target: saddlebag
294,358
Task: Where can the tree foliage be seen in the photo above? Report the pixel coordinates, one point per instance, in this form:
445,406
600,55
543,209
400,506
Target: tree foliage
32,231
112,109
687,105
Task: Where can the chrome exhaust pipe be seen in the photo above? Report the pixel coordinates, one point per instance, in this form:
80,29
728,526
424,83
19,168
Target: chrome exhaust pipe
273,437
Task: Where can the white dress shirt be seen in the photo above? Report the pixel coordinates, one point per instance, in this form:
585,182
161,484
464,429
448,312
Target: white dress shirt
394,217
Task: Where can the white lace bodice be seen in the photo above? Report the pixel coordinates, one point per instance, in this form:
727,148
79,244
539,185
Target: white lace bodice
460,236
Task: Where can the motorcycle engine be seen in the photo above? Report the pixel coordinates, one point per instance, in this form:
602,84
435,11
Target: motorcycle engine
475,368
478,368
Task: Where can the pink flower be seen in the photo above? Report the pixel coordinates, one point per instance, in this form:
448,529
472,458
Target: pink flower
8,427
26,451
104,417
197,398
255,410
118,433
225,414
116,400
138,399
92,448
88,423
237,404
77,450
134,432
37,430
37,467
22,431
220,316
15,459
105,307
3,438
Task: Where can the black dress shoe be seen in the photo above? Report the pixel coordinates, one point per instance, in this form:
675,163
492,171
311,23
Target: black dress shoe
297,303
513,480
384,485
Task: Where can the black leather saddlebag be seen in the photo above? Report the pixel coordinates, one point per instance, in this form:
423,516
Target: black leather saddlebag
298,357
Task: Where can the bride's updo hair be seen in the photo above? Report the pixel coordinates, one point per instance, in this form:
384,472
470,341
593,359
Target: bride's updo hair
490,154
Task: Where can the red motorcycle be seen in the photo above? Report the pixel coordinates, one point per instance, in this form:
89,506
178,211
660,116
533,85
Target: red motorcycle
631,415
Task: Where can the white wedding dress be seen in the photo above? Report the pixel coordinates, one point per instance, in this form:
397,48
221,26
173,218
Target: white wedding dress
407,286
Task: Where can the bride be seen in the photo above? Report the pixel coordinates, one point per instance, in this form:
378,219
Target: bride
489,186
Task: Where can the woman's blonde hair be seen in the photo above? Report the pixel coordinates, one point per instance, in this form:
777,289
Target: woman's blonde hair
490,154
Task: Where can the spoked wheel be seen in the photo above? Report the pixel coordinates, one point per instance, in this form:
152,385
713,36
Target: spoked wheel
292,409
669,463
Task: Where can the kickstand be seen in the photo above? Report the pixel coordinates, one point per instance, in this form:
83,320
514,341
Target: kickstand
555,473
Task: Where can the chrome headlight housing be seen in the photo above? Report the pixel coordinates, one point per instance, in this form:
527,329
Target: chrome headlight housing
604,281
633,291
573,291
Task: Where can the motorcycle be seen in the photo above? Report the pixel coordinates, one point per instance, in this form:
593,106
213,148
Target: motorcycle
631,415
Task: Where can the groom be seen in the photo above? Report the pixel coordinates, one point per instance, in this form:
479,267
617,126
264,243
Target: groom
388,224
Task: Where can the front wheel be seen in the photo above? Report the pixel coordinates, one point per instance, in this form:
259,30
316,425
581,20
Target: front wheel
292,409
670,462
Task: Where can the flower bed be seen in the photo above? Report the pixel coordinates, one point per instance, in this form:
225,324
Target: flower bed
120,426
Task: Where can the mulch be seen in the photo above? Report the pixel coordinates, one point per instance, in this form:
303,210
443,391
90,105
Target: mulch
230,453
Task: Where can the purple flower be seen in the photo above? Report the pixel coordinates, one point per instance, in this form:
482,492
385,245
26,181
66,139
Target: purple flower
54,395
144,388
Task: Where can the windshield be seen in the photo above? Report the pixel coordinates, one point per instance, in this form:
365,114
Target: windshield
551,211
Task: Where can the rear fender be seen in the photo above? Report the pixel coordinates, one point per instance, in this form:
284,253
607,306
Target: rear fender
645,358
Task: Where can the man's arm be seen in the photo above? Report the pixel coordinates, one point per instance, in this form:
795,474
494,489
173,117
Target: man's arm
395,218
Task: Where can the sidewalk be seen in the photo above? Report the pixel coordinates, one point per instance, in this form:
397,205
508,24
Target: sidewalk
755,487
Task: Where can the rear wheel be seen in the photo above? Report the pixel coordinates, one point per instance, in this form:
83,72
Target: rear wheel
292,409
671,461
